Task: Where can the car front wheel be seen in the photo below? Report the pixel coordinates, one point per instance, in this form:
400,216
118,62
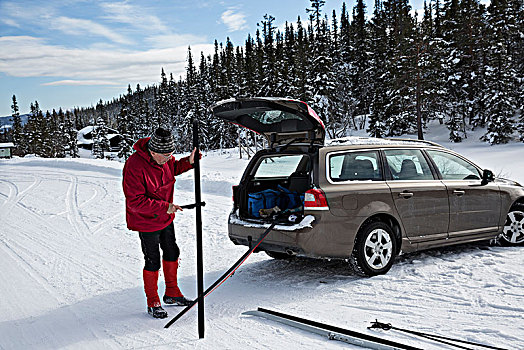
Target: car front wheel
513,231
374,250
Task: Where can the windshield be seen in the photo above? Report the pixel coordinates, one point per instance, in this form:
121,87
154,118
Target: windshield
281,166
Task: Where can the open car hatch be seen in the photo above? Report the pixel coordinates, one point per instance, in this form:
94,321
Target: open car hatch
280,120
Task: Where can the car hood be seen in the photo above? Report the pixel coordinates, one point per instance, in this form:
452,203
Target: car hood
508,182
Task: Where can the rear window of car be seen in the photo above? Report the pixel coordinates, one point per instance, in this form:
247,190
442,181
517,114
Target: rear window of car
281,165
355,166
273,117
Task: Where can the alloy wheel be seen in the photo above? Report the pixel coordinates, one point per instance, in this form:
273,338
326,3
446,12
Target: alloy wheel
378,249
513,231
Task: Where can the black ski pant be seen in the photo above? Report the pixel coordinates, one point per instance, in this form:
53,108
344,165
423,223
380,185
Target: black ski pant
153,241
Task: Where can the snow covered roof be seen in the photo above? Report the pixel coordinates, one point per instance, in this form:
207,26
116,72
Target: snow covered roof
81,135
86,130
91,128
359,140
7,145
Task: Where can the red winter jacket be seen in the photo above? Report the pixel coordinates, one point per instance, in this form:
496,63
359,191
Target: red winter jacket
149,187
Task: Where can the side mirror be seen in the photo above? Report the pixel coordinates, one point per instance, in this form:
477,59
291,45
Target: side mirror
487,176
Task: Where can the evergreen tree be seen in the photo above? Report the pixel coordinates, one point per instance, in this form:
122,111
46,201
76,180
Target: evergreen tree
125,126
162,104
380,76
360,61
100,141
302,48
501,77
71,135
18,134
400,109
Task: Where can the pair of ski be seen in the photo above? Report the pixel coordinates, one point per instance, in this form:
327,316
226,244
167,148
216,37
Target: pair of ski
225,276
361,339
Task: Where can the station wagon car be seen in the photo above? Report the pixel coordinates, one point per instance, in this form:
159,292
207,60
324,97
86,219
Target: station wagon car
358,198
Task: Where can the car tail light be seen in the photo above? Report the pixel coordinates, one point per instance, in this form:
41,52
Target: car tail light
315,199
233,195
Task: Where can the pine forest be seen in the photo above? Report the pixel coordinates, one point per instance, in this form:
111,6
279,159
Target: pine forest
386,70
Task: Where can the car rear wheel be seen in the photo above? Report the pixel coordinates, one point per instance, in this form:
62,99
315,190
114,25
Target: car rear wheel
513,231
374,251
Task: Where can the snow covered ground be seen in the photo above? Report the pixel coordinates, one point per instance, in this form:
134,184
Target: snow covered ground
71,272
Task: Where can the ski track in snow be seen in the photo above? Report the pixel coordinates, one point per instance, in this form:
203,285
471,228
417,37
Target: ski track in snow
71,275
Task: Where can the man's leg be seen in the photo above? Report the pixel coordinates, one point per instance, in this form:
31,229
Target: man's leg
150,247
171,252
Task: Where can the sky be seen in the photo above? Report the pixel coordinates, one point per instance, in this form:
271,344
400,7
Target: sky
72,53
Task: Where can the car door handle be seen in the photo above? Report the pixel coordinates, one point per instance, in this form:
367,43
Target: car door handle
405,194
459,192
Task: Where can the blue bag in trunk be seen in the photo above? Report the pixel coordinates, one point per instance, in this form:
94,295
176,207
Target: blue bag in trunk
262,200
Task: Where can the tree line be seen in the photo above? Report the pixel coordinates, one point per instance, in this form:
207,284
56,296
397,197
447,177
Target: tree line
458,62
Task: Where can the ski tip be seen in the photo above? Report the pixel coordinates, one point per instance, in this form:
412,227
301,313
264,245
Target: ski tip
251,313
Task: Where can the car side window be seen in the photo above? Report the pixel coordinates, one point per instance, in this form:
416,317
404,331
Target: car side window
452,167
351,166
408,164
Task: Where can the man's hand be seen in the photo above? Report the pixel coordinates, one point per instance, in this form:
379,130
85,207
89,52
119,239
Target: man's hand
192,156
173,208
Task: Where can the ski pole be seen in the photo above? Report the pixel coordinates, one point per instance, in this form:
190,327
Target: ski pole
434,337
224,277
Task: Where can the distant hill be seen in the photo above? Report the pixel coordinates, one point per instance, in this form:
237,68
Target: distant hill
7,120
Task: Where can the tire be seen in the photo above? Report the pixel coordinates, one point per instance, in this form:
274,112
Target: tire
513,230
374,251
280,256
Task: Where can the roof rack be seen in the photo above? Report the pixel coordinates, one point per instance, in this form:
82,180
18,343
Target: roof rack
364,140
431,143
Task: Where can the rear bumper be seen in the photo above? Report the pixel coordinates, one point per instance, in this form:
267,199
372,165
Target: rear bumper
309,238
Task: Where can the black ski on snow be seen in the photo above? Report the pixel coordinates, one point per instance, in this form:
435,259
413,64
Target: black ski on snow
224,277
434,337
332,332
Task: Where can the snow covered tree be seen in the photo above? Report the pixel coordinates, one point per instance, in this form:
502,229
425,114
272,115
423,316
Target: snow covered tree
360,84
380,76
162,103
125,124
18,135
501,104
100,141
71,135
34,130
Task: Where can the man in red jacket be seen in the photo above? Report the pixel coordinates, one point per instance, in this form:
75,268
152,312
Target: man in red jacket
148,182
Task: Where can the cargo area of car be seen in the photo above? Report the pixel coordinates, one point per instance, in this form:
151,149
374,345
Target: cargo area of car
274,184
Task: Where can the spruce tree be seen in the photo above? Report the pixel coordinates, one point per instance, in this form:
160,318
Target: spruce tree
379,73
125,123
501,77
18,133
71,135
100,141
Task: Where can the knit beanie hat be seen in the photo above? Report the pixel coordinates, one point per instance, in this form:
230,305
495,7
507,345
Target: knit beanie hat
161,142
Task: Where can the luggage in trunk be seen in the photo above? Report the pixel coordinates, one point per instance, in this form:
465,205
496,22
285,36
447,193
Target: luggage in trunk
280,200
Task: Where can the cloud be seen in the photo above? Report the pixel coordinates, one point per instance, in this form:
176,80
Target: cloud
80,82
76,26
173,40
11,22
45,17
26,56
123,12
234,20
